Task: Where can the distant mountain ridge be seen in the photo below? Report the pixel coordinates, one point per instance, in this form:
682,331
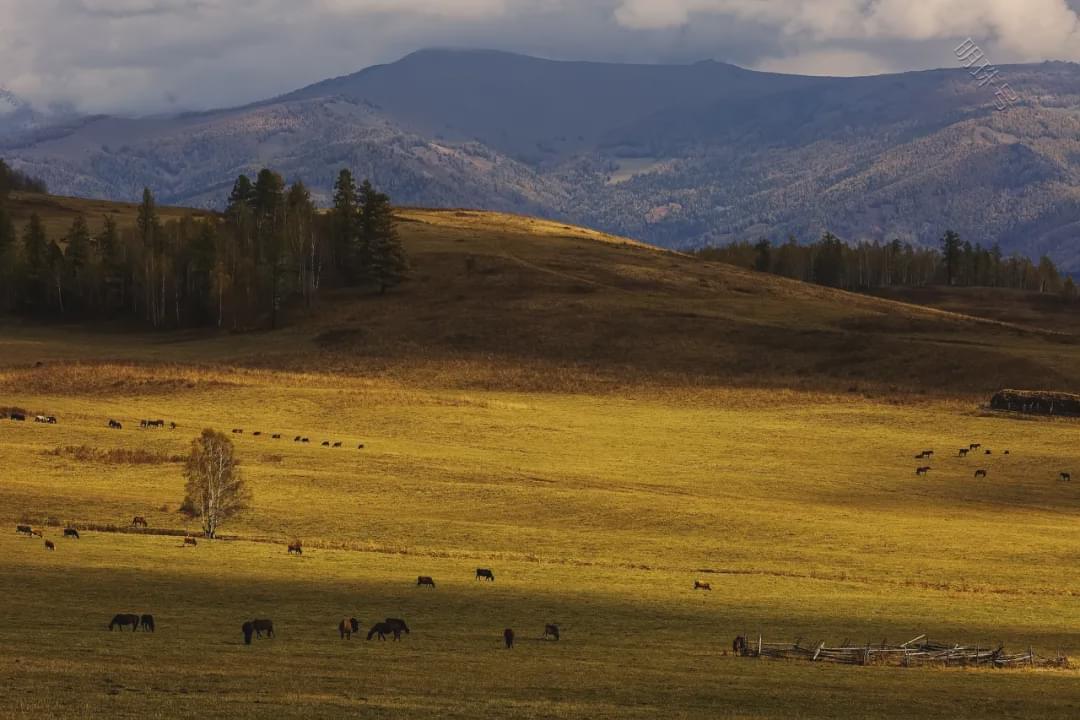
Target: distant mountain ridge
677,155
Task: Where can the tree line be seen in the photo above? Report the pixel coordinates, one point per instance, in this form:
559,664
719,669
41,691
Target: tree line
866,266
239,269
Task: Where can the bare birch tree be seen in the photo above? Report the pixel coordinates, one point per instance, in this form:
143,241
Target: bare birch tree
215,489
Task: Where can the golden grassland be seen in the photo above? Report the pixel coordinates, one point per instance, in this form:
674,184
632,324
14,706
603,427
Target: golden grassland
598,478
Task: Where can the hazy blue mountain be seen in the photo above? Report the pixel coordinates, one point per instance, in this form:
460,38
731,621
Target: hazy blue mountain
679,155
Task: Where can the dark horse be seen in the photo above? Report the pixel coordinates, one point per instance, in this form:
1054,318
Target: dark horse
248,629
347,627
122,619
71,533
390,625
398,623
508,638
485,574
147,623
425,580
698,585
739,646
263,626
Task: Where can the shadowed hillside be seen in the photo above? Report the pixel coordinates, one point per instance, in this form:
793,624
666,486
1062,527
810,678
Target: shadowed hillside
513,302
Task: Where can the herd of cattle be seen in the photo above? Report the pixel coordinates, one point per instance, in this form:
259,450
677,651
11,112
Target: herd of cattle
966,452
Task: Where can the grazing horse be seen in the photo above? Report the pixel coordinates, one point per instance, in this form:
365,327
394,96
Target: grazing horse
295,548
485,574
49,545
425,580
190,541
381,629
508,638
18,417
1066,477
248,629
922,470
139,521
347,627
739,645
551,631
263,626
115,425
962,452
980,473
71,533
121,619
698,585
29,531
399,624
147,623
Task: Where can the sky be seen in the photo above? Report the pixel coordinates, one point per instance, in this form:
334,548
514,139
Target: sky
154,56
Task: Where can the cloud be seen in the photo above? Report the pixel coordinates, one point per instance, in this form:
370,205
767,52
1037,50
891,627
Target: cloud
142,56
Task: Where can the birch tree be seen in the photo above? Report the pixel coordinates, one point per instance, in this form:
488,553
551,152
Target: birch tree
215,490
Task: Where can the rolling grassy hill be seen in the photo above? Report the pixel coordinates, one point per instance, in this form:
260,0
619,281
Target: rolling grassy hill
599,422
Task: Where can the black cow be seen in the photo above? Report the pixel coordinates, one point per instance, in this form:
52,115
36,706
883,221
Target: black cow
71,533
425,580
18,417
1066,477
29,531
485,574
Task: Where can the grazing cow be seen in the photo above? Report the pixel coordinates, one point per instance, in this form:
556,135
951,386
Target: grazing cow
337,444
248,629
122,619
508,638
296,439
987,453
263,626
295,548
974,446
139,521
28,531
425,580
485,574
698,585
49,545
50,419
190,541
980,473
550,631
147,623
257,433
115,425
360,446
34,532
963,452
71,533
1006,452
739,645
172,426
237,431
1066,477
18,417
143,424
922,470
347,627
305,440
326,443
275,436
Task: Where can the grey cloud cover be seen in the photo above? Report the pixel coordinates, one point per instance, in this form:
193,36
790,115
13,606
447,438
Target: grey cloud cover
143,56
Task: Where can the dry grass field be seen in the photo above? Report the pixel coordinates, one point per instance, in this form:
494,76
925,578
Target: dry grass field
599,423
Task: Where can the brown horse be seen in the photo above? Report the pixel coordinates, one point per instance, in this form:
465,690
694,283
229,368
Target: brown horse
485,574
508,638
122,619
347,627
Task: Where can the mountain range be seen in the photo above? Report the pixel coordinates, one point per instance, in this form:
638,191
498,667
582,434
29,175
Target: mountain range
676,155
